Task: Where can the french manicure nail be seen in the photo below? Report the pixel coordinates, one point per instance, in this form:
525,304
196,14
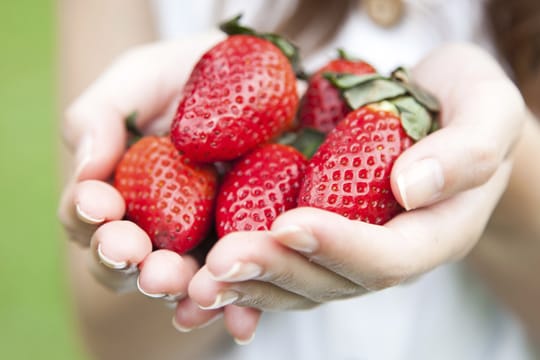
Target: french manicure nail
421,183
164,296
85,217
296,238
222,299
211,321
179,327
246,341
240,272
185,329
150,295
112,264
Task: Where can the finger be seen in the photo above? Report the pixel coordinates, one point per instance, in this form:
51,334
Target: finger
241,322
94,123
482,115
412,243
165,275
210,294
117,249
188,316
254,255
97,202
77,231
86,205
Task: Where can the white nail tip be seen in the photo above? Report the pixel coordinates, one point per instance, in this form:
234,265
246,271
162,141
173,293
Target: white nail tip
84,217
112,264
223,299
211,321
164,296
401,188
245,342
183,329
239,272
179,327
421,183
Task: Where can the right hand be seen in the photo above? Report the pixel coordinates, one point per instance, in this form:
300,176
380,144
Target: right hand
147,80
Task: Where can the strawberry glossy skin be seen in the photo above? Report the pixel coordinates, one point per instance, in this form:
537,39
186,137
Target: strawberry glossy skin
322,106
240,94
260,186
167,195
350,172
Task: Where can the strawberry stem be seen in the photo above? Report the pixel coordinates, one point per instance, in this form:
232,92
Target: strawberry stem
291,51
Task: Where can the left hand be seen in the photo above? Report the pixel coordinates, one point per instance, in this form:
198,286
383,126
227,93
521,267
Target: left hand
449,181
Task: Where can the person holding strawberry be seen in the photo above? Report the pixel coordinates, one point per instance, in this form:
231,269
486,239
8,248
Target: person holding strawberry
465,214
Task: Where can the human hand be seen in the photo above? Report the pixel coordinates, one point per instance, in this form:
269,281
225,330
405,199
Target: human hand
147,80
449,181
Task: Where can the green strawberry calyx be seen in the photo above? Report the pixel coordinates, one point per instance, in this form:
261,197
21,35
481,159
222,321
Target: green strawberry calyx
133,131
307,140
417,108
290,50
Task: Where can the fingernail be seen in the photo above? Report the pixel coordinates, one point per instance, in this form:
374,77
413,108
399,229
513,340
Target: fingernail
85,217
296,238
222,299
113,264
239,272
179,327
84,153
246,341
211,321
185,329
421,183
164,296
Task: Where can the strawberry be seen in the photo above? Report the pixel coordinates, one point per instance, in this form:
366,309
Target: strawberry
350,172
241,93
166,194
260,186
322,106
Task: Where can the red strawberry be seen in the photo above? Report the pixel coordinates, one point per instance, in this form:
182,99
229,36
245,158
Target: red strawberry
322,106
350,173
167,195
260,186
241,93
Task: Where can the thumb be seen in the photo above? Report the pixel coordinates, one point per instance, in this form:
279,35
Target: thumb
97,137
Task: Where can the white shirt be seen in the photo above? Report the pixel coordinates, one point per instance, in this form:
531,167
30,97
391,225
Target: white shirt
445,314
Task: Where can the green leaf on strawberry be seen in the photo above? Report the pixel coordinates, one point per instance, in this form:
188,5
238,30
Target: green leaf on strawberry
415,119
291,51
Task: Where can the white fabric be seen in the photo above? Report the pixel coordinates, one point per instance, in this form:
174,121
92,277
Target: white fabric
446,314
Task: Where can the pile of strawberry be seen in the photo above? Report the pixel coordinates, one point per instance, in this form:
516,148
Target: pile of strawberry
243,148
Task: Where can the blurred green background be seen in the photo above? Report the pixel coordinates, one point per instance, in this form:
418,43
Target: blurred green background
36,320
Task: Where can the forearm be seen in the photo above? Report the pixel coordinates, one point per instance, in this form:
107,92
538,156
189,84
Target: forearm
508,255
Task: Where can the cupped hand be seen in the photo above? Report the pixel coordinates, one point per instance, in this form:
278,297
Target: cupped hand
450,182
147,80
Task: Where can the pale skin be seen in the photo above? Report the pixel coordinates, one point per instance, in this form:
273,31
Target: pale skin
470,189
